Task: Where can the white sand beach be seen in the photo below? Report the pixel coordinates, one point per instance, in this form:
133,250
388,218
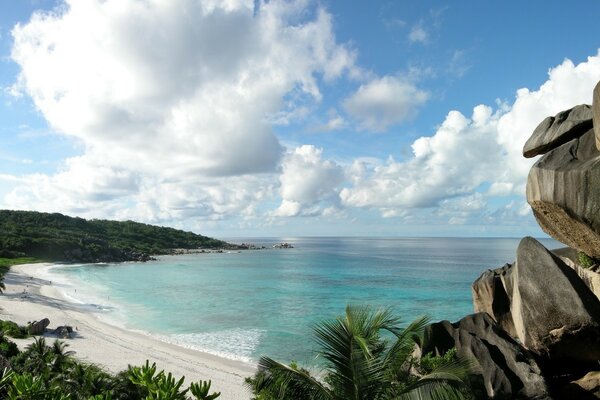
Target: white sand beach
28,298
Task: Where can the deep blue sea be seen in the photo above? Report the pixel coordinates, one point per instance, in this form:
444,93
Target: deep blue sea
264,302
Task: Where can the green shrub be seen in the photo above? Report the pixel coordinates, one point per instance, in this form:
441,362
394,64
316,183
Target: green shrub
124,389
13,330
6,262
8,349
165,387
429,362
586,261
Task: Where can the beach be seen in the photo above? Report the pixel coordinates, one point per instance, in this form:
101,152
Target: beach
28,298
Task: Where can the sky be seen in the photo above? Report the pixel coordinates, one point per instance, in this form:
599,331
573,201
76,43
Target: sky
240,118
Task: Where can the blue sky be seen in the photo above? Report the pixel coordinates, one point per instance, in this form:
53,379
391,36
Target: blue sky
242,118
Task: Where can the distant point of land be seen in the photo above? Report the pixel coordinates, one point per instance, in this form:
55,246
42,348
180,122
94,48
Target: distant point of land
30,235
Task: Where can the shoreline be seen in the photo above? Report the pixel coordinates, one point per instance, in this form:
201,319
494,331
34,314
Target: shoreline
28,297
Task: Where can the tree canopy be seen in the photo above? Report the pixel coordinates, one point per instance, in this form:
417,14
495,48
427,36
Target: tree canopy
57,237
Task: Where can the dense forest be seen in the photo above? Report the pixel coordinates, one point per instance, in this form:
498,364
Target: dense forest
57,237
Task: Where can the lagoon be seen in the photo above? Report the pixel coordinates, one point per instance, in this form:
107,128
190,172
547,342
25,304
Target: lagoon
242,305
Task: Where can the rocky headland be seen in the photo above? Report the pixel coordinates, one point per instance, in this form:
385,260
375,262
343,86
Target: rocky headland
60,238
535,333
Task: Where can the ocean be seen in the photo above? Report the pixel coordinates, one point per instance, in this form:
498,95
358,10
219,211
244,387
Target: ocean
242,305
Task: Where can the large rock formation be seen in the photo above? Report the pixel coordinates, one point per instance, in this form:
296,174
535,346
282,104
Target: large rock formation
596,112
560,129
586,387
550,309
38,327
547,300
505,369
563,189
589,274
492,293
64,332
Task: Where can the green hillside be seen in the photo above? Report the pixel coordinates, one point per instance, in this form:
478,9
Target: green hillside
57,237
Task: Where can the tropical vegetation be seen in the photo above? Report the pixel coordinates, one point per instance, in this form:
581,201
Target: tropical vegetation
57,237
50,372
366,355
6,263
586,261
13,330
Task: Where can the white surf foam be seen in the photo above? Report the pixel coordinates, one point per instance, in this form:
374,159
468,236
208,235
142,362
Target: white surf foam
235,344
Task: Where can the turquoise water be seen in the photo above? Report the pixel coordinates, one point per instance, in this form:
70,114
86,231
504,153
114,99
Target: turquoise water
264,302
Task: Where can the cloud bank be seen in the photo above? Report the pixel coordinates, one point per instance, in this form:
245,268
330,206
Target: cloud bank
176,106
468,153
168,93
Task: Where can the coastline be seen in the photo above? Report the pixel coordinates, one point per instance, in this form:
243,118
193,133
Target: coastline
109,346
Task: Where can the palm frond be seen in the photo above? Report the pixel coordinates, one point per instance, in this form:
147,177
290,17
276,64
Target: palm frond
432,391
413,330
364,321
456,369
361,365
405,341
352,346
290,383
446,381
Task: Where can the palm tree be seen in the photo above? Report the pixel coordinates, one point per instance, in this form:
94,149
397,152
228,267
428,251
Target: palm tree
361,364
85,380
61,357
40,356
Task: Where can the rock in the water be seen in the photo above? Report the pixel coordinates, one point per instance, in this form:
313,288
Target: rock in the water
553,312
38,327
563,189
560,129
505,369
596,112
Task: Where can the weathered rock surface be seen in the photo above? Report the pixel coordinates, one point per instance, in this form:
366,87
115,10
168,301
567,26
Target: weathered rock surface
596,113
64,332
587,387
589,276
553,312
560,129
563,189
491,295
38,327
506,369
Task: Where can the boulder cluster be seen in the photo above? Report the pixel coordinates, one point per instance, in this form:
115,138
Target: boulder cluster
535,333
41,327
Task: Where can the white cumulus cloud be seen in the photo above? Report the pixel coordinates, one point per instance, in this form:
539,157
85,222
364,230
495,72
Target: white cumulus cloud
168,93
173,104
385,101
306,180
467,153
452,162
